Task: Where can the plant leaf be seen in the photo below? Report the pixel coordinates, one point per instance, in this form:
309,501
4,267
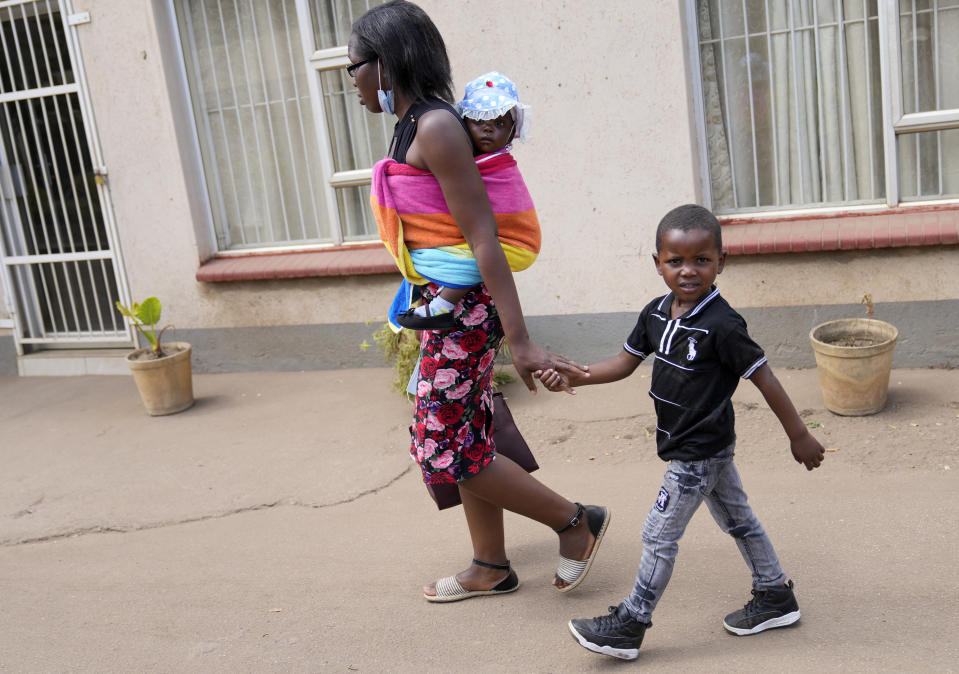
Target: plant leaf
149,311
123,310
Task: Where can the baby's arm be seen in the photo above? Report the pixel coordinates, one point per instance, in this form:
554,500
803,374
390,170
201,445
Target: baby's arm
805,448
611,369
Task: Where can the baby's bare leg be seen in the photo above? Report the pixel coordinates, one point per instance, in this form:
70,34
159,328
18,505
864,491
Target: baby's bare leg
453,295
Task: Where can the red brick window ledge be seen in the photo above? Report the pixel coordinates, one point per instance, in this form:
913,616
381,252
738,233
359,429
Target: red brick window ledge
921,225
343,261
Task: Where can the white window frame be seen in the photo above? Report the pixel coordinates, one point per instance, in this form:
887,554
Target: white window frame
895,123
317,61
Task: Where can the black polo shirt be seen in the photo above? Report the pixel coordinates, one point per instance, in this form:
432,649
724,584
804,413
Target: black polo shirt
699,358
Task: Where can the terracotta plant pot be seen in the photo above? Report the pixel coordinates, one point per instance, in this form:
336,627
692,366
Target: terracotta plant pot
854,359
165,384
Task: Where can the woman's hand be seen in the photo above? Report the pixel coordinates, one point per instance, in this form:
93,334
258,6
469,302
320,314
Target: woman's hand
529,357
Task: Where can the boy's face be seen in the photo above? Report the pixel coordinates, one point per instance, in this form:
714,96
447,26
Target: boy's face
689,262
490,135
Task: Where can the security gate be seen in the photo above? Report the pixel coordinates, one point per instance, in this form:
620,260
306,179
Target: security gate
62,272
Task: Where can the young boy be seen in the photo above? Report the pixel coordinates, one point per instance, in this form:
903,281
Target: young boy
700,348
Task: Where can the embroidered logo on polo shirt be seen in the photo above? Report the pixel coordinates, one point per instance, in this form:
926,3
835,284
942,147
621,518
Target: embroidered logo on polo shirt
662,500
691,354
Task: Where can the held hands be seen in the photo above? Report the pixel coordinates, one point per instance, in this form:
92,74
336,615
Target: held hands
807,450
554,381
530,359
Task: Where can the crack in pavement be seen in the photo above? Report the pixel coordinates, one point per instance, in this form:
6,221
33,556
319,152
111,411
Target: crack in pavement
97,529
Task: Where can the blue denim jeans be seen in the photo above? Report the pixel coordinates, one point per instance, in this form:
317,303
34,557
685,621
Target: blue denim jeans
685,486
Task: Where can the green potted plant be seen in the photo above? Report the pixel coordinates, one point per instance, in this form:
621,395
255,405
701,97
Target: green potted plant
162,372
854,360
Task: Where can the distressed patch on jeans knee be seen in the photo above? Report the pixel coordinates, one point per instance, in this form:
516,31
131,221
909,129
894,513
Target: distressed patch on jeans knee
739,532
645,593
662,500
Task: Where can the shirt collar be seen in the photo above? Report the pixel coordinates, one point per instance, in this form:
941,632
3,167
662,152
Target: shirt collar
667,301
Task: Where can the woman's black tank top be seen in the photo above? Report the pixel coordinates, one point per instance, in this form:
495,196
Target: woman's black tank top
405,130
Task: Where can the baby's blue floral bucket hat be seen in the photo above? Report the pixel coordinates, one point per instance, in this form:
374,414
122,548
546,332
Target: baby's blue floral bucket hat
492,95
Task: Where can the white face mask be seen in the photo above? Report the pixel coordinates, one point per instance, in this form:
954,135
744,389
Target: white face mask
384,97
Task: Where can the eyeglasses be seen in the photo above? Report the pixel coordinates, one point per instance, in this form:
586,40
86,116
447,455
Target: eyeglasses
353,67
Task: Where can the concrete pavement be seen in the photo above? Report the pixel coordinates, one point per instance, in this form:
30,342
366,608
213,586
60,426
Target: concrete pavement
280,526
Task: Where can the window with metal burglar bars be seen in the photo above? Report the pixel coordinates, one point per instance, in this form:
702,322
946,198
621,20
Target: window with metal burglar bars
287,150
810,103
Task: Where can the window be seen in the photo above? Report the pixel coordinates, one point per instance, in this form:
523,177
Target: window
286,148
817,103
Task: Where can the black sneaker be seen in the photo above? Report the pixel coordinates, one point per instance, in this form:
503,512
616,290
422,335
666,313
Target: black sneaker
616,634
770,607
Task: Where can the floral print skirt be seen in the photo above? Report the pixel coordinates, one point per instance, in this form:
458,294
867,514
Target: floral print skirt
453,419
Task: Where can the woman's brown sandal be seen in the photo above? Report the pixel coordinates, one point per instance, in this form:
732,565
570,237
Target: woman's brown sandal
449,589
573,571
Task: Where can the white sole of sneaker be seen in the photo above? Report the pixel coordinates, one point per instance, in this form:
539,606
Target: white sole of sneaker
621,653
781,621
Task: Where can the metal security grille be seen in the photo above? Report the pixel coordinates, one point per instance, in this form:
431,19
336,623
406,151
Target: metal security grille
56,246
286,149
793,101
809,103
929,54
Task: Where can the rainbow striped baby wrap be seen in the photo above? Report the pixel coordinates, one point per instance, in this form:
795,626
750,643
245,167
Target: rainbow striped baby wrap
416,226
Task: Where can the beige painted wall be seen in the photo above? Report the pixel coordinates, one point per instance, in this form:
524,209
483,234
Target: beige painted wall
889,275
121,55
611,152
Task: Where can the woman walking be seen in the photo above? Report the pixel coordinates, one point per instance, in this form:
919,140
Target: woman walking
399,66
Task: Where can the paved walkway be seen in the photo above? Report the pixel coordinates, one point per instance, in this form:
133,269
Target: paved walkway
279,526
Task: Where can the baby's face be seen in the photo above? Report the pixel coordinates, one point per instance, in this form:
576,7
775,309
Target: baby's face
490,135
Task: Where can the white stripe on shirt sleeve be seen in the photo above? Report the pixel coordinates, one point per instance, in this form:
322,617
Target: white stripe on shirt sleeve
755,366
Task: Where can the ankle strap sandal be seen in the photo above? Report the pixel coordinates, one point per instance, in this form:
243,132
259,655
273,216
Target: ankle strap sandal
577,518
449,589
490,565
573,571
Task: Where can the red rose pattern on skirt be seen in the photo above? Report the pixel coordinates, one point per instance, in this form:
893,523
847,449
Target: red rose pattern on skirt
453,418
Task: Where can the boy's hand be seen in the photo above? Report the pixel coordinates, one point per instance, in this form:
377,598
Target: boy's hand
529,358
554,381
807,450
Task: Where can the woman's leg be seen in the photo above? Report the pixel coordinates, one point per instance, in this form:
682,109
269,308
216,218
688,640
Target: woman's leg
453,406
504,484
485,522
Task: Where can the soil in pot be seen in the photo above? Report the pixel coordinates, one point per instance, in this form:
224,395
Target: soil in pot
852,341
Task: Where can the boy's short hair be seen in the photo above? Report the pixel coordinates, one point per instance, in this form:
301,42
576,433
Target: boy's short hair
686,218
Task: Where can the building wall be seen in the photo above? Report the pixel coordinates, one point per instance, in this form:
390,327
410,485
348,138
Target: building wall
612,151
611,148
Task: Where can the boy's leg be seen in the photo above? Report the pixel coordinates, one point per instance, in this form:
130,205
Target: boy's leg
620,633
679,497
728,505
773,603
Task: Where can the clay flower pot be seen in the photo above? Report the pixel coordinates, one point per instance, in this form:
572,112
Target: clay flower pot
165,384
854,359
163,375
